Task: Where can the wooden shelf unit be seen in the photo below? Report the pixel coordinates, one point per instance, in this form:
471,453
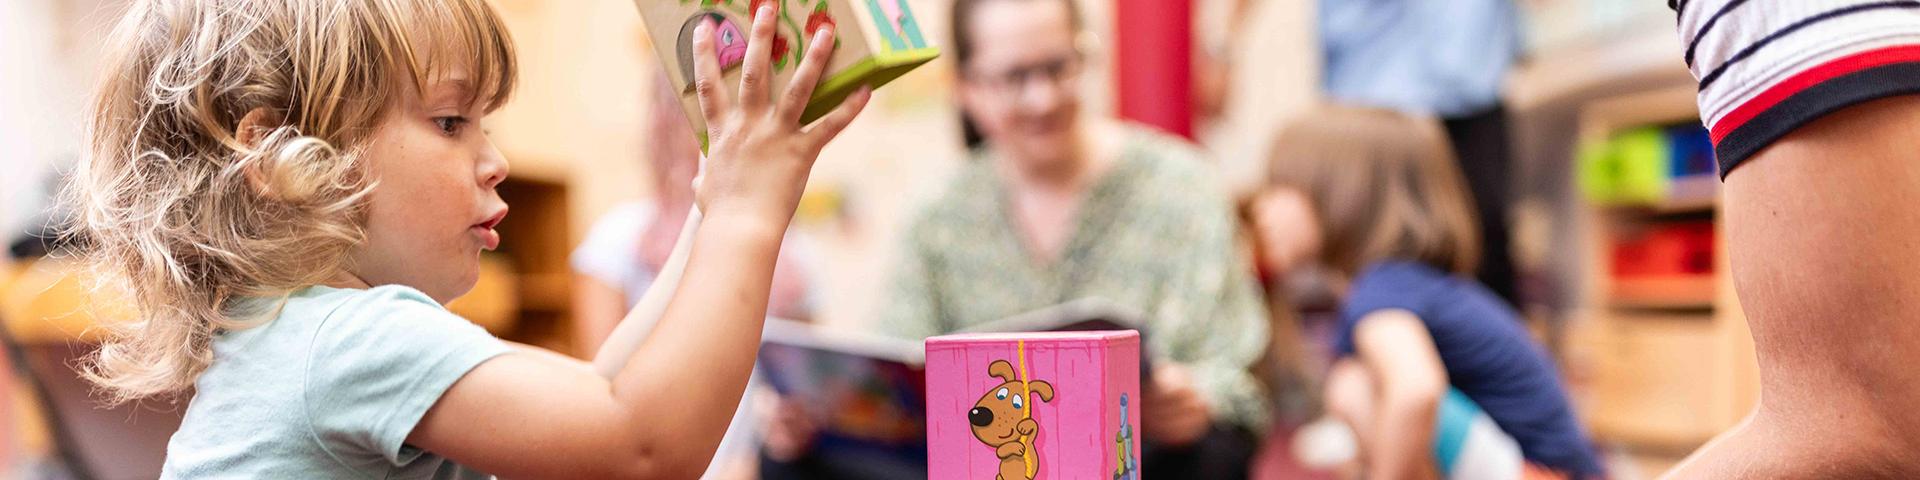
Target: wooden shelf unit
1669,369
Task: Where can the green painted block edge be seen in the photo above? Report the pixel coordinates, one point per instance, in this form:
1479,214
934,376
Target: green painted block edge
876,70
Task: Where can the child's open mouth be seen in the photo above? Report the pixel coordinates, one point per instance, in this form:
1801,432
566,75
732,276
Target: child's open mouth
489,239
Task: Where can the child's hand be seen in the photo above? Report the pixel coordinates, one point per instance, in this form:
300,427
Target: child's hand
759,154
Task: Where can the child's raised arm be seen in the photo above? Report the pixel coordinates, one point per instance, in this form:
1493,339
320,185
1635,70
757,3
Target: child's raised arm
663,413
626,337
1398,351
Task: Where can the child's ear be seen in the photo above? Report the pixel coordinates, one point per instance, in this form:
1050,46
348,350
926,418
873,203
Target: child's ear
255,126
1002,369
1041,390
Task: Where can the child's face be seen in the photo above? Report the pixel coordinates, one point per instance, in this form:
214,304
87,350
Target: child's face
434,207
1286,229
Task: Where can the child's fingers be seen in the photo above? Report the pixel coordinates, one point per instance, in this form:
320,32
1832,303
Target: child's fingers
807,77
837,120
707,81
700,175
754,76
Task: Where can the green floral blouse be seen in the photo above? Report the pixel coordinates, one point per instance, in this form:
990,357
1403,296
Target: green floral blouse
1155,233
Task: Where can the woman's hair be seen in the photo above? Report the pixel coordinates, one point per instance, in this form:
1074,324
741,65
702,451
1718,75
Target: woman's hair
962,49
186,215
1384,185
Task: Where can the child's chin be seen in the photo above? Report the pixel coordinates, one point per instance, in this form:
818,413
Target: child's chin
446,291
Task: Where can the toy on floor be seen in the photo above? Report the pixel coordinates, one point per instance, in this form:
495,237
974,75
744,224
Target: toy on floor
1024,406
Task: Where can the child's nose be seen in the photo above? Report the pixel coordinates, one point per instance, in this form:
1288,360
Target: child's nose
493,166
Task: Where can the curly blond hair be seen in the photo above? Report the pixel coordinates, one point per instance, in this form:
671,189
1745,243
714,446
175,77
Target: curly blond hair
184,215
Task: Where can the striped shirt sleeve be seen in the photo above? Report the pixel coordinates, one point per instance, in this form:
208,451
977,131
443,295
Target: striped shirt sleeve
1767,67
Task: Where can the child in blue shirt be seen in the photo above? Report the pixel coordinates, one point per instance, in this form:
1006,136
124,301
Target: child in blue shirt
288,192
1435,373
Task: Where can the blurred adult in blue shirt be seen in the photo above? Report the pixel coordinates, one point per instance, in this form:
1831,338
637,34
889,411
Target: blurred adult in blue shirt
1444,58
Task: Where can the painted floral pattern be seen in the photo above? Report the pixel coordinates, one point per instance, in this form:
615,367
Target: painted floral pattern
789,41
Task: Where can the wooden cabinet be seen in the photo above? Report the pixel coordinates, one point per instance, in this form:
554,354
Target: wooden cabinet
525,290
1667,362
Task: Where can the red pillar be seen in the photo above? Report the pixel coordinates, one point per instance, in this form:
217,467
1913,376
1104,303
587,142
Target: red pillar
1154,63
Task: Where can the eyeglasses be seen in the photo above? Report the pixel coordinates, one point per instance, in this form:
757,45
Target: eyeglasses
1014,81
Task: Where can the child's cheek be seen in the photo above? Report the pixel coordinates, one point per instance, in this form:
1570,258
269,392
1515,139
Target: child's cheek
420,199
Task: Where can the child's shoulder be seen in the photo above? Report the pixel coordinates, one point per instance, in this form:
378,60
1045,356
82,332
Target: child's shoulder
1393,271
1398,284
395,292
329,301
333,385
1437,295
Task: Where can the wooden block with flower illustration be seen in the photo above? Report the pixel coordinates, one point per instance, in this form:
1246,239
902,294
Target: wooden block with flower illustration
876,41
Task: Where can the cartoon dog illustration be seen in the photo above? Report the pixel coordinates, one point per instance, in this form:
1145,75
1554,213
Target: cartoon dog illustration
1002,420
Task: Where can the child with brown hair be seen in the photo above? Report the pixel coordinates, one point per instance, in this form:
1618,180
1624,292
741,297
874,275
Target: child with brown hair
1435,374
289,191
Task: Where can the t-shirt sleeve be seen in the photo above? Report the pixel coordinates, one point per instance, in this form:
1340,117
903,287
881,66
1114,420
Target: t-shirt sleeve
1391,286
1767,67
379,362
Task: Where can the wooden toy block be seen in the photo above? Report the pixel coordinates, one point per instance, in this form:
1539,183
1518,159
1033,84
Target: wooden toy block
877,42
1055,405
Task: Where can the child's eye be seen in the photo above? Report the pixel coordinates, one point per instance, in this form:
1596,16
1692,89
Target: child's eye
450,125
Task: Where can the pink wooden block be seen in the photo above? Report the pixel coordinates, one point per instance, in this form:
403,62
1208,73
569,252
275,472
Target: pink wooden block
1080,389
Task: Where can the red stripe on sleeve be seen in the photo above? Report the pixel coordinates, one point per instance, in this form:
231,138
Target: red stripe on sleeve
1808,78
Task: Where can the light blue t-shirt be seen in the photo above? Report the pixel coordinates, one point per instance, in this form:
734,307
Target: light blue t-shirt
1437,57
328,389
